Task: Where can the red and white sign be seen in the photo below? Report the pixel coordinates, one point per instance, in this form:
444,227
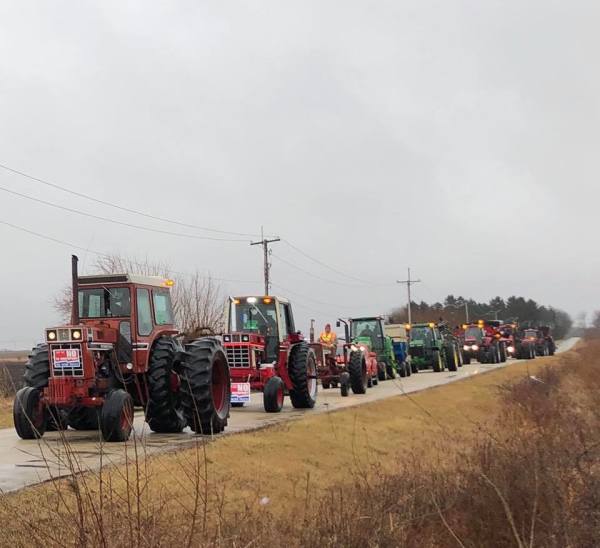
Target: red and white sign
67,358
240,392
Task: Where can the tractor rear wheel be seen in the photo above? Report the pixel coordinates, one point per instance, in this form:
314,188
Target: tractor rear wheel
302,368
502,353
438,365
37,369
164,412
344,384
116,417
205,386
273,395
83,418
29,415
357,371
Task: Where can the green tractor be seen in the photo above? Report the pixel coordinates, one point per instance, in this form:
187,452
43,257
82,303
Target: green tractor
370,331
430,348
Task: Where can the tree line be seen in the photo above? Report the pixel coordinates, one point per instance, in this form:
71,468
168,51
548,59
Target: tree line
527,312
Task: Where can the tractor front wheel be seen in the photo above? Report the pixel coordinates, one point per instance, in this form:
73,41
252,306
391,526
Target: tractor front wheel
29,414
164,413
344,384
206,386
438,365
357,373
302,369
116,417
390,370
273,394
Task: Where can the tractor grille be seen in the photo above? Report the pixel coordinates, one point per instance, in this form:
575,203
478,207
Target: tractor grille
68,372
238,356
63,334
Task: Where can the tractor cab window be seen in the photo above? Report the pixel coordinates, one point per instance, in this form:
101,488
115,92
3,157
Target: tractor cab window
105,303
424,334
254,317
473,333
163,311
368,329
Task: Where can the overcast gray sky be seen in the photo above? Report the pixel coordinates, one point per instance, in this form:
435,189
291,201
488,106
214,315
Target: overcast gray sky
459,138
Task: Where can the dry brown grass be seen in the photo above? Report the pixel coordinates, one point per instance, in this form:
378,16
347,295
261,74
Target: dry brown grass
406,464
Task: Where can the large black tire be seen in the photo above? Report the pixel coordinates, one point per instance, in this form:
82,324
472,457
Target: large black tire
28,416
273,395
381,371
407,369
390,370
302,369
357,369
466,359
344,384
451,362
205,386
116,417
414,367
502,353
164,412
437,363
84,418
325,385
37,369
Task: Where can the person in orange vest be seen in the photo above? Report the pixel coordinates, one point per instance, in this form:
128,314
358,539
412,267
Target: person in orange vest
329,339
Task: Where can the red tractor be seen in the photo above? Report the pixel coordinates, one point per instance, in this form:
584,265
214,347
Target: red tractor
267,354
356,367
122,350
483,342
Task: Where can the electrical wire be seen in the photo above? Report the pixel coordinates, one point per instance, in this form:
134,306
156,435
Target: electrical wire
299,269
114,221
122,208
325,265
106,255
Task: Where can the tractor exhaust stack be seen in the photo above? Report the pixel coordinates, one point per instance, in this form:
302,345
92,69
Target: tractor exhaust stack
75,289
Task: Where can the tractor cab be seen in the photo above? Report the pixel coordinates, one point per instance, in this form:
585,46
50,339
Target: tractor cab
267,321
368,331
136,309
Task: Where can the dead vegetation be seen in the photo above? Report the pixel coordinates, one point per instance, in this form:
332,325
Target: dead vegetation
511,458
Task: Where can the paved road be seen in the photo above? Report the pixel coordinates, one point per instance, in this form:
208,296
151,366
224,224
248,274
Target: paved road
24,463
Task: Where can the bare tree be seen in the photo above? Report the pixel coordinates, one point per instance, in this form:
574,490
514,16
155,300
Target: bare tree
198,304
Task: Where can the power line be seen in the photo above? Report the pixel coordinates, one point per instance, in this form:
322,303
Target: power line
316,276
114,221
122,208
325,265
107,255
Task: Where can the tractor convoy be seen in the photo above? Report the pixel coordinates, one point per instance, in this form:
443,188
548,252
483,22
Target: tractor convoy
121,350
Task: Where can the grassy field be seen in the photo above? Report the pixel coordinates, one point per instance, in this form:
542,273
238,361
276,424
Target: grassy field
287,471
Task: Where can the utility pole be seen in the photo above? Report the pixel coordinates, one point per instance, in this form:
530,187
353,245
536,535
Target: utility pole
408,283
267,266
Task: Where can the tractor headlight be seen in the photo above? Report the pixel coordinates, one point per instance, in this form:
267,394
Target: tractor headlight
226,338
474,347
466,347
76,334
354,348
511,349
245,338
51,335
